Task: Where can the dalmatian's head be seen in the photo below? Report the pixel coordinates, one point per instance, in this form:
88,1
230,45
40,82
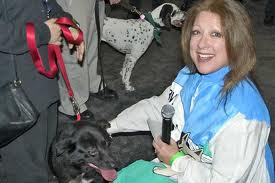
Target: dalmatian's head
168,14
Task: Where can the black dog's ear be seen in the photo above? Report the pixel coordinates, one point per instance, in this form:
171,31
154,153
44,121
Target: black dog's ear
165,15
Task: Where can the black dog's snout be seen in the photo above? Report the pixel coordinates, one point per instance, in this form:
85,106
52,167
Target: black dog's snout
111,163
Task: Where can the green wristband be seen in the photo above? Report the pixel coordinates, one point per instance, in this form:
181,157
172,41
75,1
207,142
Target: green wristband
176,155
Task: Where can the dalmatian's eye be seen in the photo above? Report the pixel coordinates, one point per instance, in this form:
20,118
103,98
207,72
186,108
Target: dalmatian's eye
173,13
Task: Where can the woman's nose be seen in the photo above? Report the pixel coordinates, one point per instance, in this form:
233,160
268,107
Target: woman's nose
203,42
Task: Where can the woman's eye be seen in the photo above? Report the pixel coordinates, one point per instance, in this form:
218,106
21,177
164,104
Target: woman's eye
216,34
194,32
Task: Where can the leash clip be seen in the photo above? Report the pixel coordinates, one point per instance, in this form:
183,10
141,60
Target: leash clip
134,10
75,105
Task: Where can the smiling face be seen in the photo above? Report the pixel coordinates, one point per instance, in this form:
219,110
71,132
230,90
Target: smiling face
207,43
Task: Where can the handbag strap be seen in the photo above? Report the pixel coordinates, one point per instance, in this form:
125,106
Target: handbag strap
13,63
16,80
54,52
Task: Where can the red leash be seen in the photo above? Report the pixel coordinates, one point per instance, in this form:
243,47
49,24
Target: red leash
54,54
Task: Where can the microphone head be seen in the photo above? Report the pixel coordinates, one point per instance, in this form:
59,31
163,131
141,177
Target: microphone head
167,111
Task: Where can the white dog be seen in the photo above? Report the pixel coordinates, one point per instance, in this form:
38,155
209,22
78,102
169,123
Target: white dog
132,37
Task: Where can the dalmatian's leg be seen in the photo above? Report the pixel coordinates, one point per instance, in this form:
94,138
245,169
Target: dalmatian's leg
126,71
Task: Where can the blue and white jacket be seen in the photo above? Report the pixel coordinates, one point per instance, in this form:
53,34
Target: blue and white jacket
226,140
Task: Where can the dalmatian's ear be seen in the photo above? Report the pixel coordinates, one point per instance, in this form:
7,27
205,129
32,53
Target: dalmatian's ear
165,15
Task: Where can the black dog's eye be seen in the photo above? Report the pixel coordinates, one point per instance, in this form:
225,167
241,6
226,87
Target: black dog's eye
92,152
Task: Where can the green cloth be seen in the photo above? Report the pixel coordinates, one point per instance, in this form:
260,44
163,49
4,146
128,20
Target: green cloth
156,26
141,172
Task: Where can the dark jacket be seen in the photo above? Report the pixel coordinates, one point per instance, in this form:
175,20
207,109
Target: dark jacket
13,46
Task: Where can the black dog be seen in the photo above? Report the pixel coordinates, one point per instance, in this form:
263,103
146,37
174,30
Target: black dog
80,152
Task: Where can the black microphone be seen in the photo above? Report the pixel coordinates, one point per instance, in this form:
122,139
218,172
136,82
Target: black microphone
167,113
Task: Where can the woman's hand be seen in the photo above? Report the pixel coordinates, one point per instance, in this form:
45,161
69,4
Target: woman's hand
80,49
165,151
56,38
55,31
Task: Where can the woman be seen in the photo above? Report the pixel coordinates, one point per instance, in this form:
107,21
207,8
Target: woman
221,123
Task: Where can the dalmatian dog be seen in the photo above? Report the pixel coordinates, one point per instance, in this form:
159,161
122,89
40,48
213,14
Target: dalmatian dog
133,36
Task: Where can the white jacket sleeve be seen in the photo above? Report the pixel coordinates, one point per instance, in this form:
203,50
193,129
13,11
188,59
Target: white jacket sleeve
135,117
237,156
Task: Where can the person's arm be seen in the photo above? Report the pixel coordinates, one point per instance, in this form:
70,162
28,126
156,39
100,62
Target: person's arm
13,36
237,150
135,117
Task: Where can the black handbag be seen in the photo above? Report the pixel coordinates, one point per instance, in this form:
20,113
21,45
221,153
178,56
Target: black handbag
17,113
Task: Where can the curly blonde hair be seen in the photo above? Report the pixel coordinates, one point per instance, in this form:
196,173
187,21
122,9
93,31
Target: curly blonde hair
237,29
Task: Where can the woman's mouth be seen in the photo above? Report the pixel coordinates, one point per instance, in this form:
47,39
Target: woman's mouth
205,57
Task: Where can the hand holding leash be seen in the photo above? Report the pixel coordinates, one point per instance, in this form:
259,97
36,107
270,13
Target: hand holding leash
55,31
80,49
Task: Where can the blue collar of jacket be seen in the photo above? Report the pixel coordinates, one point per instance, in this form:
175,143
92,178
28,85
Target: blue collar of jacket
217,76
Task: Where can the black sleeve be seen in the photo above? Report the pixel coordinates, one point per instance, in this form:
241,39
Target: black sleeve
13,35
57,10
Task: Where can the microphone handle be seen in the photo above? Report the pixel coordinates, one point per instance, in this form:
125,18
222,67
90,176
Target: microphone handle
166,130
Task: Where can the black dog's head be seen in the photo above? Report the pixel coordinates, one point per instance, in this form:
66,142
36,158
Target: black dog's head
81,148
